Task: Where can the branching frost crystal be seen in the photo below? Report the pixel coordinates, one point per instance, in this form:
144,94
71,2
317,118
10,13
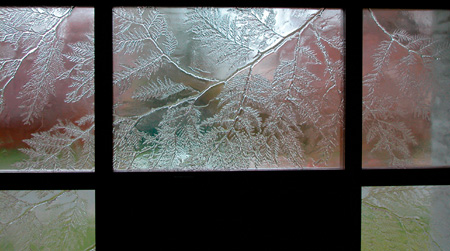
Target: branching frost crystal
47,220
227,89
47,88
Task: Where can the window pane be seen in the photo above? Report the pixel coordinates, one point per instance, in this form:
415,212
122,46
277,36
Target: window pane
215,89
406,111
46,89
405,218
47,220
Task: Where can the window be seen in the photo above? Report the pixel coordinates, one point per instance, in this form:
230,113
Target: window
227,88
47,219
405,217
405,68
405,77
300,208
46,89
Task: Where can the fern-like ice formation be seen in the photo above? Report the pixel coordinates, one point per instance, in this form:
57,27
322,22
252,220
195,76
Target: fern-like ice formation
42,36
47,220
398,90
227,89
405,218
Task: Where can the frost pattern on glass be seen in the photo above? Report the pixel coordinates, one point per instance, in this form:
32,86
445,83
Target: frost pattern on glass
406,61
405,218
47,220
224,89
47,87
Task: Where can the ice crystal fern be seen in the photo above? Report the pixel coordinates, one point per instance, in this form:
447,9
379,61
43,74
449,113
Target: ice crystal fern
45,220
405,218
398,91
36,35
224,89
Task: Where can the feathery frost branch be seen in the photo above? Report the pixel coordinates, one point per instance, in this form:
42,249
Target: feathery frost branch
245,119
38,35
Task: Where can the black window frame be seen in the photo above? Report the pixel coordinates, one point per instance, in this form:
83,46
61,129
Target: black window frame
308,208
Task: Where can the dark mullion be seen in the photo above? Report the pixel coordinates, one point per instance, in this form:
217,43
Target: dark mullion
103,90
103,124
48,181
353,91
406,177
353,122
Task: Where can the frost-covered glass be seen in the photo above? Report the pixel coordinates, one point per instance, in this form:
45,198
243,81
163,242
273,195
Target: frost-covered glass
406,68
405,218
227,89
46,89
47,220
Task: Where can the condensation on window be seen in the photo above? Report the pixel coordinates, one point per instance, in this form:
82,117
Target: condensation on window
406,110
46,89
405,218
47,220
227,88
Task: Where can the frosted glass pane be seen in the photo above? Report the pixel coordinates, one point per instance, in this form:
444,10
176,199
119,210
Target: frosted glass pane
405,218
47,220
227,89
406,111
46,89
